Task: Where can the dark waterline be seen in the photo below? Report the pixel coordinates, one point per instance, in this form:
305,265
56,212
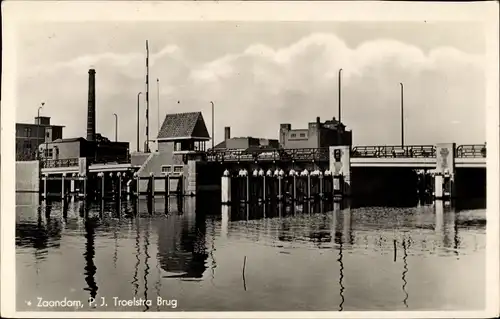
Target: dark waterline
343,257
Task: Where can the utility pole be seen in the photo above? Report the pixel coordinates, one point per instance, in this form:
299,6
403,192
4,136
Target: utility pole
158,100
340,109
138,116
402,116
213,119
147,99
38,132
116,127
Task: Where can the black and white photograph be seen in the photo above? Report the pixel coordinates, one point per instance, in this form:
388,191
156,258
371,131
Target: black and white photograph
214,159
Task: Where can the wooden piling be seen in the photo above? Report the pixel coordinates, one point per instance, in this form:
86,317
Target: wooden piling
102,185
63,189
152,179
309,186
264,189
167,185
321,196
119,185
45,187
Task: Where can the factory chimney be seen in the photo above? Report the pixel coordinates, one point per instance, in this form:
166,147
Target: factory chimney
91,107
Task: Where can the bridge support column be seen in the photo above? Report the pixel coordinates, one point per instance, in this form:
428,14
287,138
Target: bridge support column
340,165
226,188
445,171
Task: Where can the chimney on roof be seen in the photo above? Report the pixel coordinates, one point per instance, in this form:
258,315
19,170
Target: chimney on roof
227,133
318,120
91,107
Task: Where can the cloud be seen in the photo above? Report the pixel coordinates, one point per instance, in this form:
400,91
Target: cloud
260,87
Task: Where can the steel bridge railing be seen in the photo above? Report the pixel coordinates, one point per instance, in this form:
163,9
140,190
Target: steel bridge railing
407,151
471,151
56,163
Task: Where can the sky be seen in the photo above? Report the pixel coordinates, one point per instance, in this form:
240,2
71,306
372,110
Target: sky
260,74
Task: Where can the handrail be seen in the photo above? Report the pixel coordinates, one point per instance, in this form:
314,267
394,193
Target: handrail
471,150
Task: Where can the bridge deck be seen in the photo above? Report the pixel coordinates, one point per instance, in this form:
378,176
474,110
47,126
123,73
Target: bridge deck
421,156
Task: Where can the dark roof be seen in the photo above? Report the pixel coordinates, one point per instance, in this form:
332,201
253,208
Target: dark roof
221,145
188,125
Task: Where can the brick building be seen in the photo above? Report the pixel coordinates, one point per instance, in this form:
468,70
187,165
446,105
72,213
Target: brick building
245,143
316,135
30,135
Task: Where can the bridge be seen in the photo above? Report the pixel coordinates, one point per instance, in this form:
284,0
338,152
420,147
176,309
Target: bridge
71,166
418,156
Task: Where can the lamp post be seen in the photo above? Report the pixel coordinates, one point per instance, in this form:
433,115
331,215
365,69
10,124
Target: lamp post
158,101
116,127
402,116
138,116
212,124
38,131
340,108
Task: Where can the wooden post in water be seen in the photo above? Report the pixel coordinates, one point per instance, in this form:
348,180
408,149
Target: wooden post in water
226,188
309,186
63,189
167,185
321,196
102,185
119,185
45,186
137,184
152,181
247,179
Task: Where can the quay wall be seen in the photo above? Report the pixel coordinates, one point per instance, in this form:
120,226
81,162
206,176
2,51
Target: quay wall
27,176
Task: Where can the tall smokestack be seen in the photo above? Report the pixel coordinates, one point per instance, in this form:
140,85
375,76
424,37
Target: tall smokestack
227,133
91,107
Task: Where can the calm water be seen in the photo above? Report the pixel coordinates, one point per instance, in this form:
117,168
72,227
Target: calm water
427,257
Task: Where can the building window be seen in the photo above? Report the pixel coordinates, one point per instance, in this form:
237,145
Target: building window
27,132
27,145
293,135
302,134
178,169
166,169
177,147
48,153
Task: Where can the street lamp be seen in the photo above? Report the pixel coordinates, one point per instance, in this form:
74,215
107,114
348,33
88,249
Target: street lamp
158,101
38,131
340,108
402,116
138,116
212,124
116,127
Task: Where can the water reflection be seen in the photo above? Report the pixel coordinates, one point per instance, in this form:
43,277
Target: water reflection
182,247
146,264
135,281
89,253
189,240
405,271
